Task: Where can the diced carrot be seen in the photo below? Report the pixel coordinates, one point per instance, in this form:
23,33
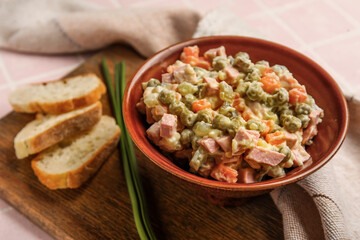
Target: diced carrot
203,63
267,127
266,71
238,103
247,114
190,60
270,83
297,95
200,105
191,51
224,173
275,138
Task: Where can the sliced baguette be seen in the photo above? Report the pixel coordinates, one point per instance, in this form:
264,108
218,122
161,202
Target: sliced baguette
59,96
71,162
50,129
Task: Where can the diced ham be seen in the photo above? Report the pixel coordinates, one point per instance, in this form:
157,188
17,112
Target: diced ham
168,125
210,144
181,75
311,130
212,85
265,156
149,118
153,133
231,72
224,173
141,107
225,143
243,139
246,175
167,77
300,156
214,52
291,139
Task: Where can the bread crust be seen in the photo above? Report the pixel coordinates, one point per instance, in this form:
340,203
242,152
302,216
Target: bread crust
63,106
66,128
75,178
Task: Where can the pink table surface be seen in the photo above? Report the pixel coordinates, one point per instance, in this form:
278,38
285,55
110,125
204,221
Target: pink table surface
328,31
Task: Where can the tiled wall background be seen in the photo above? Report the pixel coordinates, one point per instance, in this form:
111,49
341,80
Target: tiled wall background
328,31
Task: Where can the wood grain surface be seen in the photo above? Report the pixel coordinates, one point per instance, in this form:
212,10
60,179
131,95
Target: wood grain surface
101,208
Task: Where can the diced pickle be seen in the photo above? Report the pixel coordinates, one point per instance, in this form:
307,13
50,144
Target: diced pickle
202,129
220,62
199,157
242,62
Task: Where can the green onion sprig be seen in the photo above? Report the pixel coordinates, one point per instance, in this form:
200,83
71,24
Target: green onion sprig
131,171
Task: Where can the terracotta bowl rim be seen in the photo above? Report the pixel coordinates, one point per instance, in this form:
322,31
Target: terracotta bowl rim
172,169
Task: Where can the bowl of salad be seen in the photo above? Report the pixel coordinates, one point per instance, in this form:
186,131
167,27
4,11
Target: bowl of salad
235,117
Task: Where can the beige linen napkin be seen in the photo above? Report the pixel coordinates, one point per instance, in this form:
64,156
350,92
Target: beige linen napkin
325,205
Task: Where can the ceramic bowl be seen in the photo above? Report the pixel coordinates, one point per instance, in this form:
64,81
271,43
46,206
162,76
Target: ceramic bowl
318,83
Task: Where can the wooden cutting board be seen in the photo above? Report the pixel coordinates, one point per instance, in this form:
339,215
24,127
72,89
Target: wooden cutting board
101,208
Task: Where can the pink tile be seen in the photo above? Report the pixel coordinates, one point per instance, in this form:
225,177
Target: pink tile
352,7
244,8
270,28
276,3
208,5
20,65
343,56
2,77
315,21
14,226
5,106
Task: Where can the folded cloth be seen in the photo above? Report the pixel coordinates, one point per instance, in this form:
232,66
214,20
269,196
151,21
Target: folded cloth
325,205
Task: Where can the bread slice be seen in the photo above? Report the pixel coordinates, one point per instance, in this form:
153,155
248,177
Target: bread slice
50,129
59,96
71,162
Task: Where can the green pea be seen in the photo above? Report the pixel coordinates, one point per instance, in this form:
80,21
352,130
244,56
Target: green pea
257,125
201,92
151,83
227,110
281,96
253,75
291,123
237,122
302,108
220,62
255,92
176,107
242,62
304,120
286,151
269,115
188,118
205,115
269,100
188,100
285,113
242,87
186,136
222,122
202,129
187,88
166,96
